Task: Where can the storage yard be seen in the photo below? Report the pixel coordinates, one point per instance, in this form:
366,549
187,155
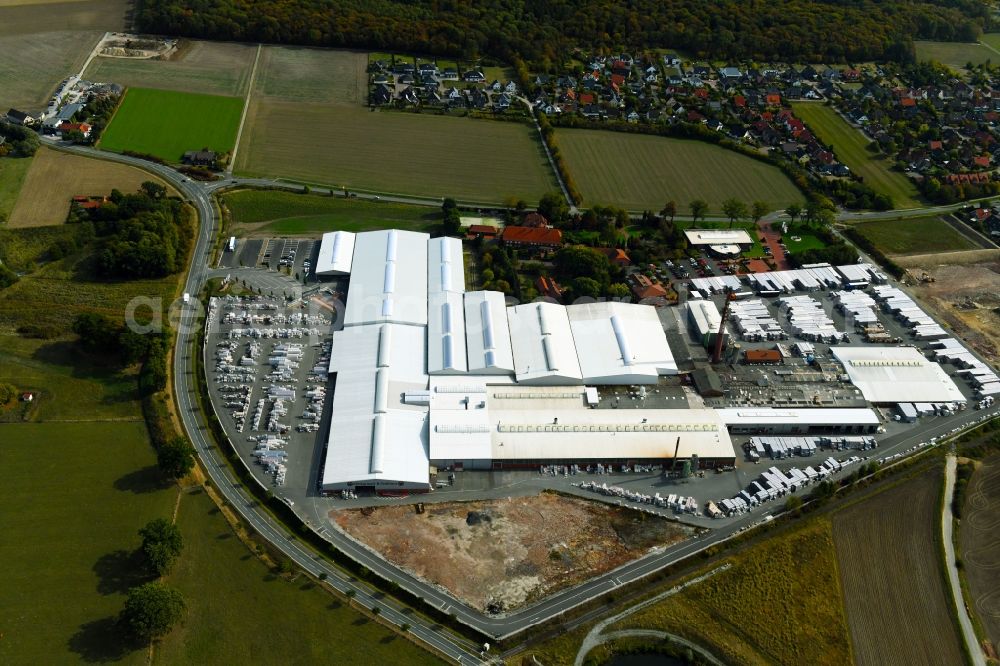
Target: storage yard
500,554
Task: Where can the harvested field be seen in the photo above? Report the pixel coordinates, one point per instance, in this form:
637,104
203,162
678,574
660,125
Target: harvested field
967,297
32,65
212,68
390,152
167,124
898,607
513,551
54,178
644,172
792,576
312,75
43,16
13,171
980,547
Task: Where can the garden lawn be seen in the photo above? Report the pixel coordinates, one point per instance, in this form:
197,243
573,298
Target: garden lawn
922,235
239,612
70,518
167,124
289,213
642,172
851,147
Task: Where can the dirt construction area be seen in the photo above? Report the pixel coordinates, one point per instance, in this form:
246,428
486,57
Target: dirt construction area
980,545
498,555
967,297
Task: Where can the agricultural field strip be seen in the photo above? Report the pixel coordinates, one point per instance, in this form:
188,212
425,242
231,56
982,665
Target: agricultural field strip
980,546
246,109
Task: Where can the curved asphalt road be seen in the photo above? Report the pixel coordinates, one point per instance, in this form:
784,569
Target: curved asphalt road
458,648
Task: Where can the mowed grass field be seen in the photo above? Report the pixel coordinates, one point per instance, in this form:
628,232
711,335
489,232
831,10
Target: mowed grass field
312,75
898,607
393,153
779,603
851,146
922,235
32,65
13,171
286,213
240,612
167,124
979,547
55,177
19,17
71,513
640,172
212,68
955,54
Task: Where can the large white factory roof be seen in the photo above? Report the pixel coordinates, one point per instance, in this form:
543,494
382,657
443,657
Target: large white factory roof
445,266
718,237
803,416
897,374
374,434
487,334
620,343
388,279
336,252
446,333
542,341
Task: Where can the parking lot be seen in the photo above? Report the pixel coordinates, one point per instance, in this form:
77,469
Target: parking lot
295,256
266,361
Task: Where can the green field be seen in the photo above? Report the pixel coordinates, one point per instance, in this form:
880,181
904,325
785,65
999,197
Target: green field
167,124
394,152
851,147
239,612
955,54
991,39
640,172
12,173
921,235
212,68
70,518
290,213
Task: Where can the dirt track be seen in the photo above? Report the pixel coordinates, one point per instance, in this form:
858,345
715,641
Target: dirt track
501,554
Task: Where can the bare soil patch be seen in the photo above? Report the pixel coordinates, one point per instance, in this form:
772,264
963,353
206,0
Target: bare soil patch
979,541
889,549
501,554
55,178
967,297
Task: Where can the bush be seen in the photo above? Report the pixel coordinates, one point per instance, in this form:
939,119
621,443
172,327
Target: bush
7,393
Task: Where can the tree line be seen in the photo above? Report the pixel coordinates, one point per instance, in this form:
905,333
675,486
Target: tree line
545,33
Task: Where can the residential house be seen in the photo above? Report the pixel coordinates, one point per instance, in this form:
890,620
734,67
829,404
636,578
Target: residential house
484,231
474,76
19,117
535,221
539,237
549,288
617,256
643,288
200,157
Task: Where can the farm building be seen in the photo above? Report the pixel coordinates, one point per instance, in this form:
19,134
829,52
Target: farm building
541,237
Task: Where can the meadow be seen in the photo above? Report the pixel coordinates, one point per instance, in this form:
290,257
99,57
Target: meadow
641,172
31,65
241,612
288,213
851,147
955,54
211,68
793,577
312,75
922,235
55,177
167,124
394,153
898,607
70,521
13,171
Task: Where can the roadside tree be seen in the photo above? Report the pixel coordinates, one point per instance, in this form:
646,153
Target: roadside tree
151,610
699,207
